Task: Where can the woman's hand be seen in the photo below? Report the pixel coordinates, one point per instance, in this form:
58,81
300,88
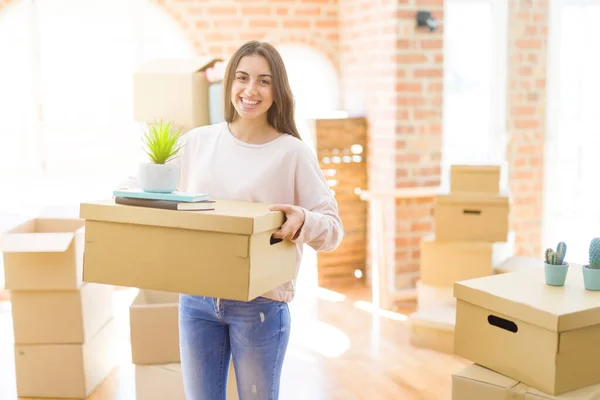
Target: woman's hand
294,220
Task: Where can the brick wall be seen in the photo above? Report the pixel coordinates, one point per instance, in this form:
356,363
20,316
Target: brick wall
419,131
526,119
393,72
218,27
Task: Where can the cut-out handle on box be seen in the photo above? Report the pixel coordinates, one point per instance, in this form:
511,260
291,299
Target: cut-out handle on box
502,323
471,212
275,240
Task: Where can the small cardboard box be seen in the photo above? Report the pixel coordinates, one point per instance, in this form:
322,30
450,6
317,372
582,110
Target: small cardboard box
60,317
44,254
543,336
471,217
475,178
154,318
173,89
160,382
443,263
226,252
474,382
66,370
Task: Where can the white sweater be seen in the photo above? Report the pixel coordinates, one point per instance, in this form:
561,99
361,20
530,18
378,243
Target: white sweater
283,171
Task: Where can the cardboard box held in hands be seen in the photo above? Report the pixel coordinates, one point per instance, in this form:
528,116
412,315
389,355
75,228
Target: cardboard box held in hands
226,252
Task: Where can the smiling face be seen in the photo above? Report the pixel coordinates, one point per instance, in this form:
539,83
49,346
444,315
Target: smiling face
251,90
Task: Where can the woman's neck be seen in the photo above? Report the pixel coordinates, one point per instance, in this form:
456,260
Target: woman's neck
253,131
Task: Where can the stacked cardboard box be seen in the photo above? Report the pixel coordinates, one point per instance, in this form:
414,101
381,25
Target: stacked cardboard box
64,329
471,238
527,339
154,333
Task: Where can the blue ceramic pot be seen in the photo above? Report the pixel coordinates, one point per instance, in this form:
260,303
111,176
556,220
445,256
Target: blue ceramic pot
591,278
556,274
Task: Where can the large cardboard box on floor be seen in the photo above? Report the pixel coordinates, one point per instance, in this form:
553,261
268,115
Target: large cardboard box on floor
173,89
44,254
227,252
471,217
443,263
474,382
154,318
66,370
160,382
475,178
543,336
66,316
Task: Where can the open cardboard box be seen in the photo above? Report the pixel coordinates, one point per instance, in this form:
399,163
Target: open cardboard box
154,328
44,254
543,336
227,252
60,316
474,382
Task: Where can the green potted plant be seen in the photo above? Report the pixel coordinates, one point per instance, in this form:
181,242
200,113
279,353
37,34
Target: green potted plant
591,271
161,143
555,267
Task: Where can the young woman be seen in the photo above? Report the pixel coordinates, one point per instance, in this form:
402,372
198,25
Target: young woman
256,155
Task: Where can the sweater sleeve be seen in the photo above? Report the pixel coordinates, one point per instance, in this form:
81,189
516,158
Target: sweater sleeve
322,229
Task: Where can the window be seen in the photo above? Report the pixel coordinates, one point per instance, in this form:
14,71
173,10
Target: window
474,83
66,99
571,189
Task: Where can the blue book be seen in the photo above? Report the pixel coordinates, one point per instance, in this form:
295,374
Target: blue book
184,197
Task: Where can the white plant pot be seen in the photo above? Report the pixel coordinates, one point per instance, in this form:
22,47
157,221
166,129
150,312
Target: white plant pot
161,178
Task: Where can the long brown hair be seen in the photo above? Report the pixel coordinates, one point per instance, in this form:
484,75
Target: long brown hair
281,113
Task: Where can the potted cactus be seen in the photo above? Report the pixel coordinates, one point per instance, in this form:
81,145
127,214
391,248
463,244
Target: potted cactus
161,143
555,267
591,271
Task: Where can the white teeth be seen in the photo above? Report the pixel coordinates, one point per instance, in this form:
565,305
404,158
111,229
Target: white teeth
250,103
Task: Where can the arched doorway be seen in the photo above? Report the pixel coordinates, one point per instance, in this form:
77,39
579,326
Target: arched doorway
314,82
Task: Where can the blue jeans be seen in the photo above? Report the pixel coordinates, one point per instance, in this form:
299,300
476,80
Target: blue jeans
256,333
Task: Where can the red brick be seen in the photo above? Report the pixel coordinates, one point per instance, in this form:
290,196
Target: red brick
421,3
293,23
327,24
529,44
425,227
409,87
221,11
437,44
253,11
527,124
429,73
411,58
